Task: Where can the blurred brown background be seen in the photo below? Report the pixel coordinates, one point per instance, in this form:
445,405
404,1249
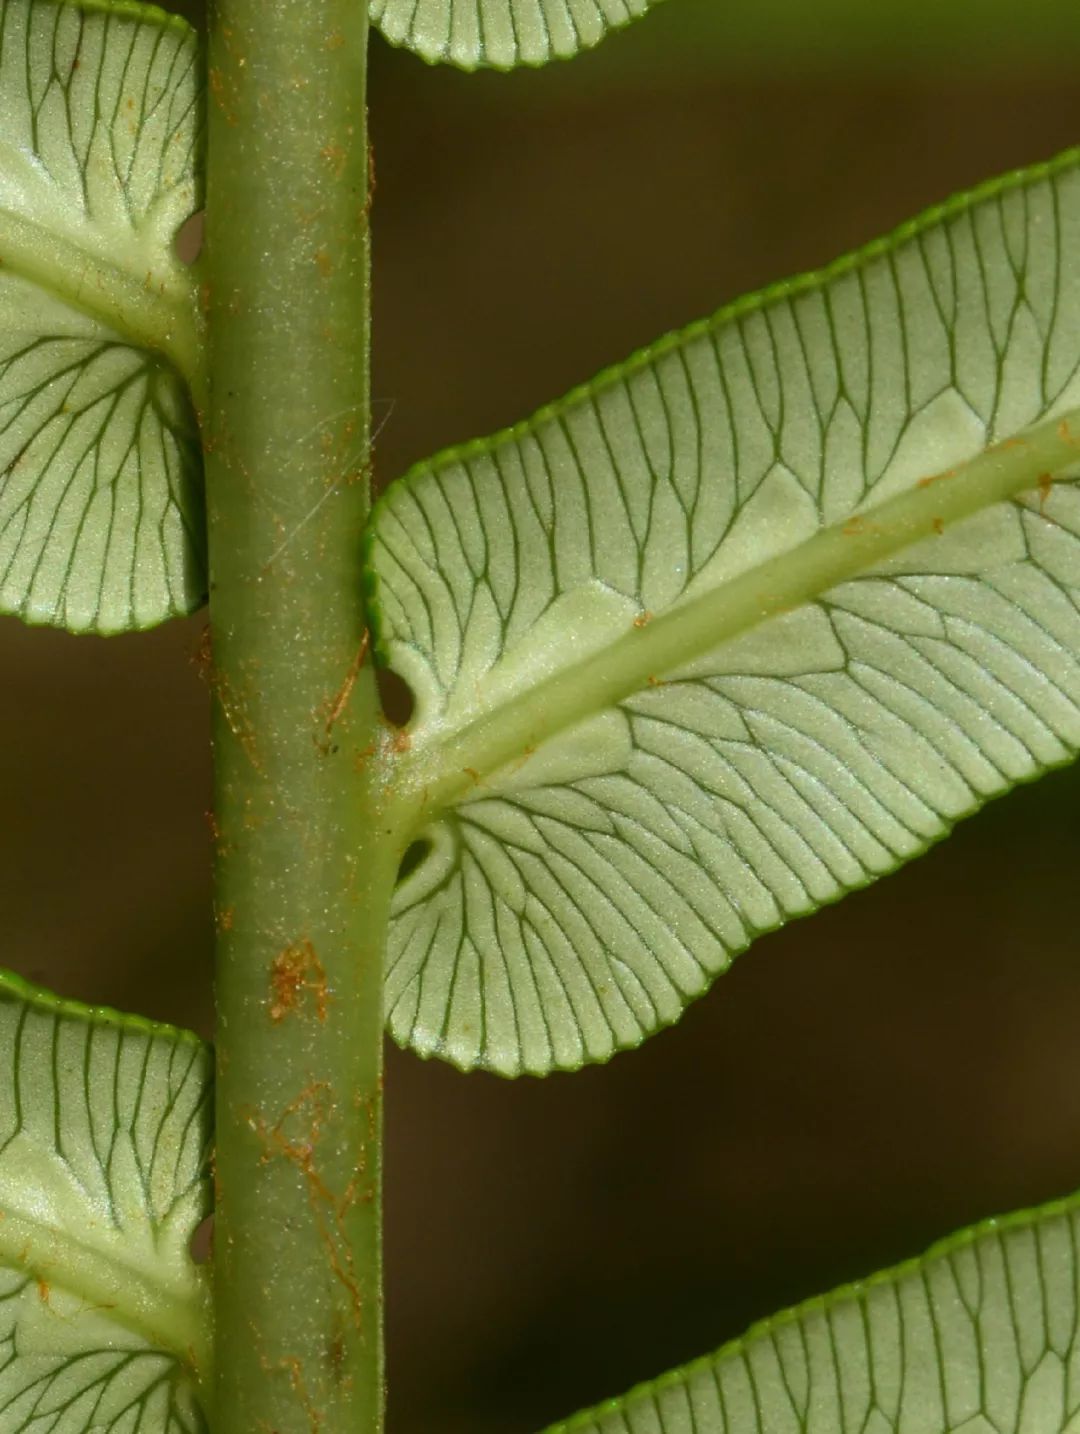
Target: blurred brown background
863,1081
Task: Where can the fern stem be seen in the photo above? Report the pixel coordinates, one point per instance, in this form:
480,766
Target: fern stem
302,883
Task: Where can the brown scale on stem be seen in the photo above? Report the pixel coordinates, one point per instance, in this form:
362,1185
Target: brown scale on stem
337,704
295,973
292,1368
237,719
936,478
295,1371
336,157
364,756
858,527
330,1211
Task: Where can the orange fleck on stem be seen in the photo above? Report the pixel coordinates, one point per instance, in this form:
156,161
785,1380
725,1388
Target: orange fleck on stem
296,972
858,526
935,478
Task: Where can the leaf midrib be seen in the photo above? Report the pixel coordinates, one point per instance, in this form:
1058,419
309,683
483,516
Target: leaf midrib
166,1318
151,310
448,764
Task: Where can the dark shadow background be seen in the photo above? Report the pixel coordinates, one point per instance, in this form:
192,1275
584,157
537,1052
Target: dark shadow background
860,1083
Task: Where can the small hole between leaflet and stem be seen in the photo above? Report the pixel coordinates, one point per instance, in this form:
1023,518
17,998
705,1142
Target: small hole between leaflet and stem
188,242
398,705
202,1241
415,854
395,694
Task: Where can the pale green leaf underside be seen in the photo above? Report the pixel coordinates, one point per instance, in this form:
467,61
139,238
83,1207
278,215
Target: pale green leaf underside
980,1336
104,1137
661,707
501,33
100,476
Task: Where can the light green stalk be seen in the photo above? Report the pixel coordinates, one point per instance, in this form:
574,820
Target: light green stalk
781,584
303,872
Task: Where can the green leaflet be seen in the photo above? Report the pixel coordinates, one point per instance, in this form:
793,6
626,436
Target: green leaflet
100,475
980,1335
738,627
501,34
104,1136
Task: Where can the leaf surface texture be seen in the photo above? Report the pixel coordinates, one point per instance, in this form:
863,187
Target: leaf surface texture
501,34
104,1131
978,1337
100,474
734,629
